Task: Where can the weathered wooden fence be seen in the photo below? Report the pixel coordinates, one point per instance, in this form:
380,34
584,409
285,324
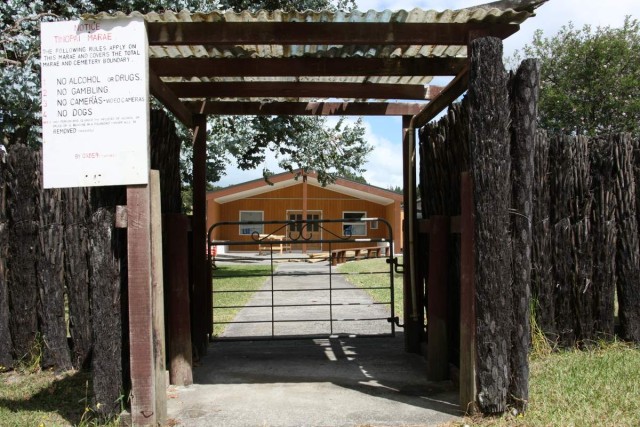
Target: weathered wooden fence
586,232
63,267
556,227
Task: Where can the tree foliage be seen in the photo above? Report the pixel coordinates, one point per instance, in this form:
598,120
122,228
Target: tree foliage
298,142
590,79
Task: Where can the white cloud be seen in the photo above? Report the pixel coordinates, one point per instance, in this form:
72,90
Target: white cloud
384,168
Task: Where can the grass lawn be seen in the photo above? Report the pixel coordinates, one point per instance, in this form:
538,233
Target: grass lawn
599,387
237,278
377,265
46,399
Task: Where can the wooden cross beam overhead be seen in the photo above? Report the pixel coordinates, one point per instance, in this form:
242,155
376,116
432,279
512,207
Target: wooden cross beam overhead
307,64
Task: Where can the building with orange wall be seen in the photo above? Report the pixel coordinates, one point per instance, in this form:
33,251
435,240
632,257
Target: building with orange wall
289,199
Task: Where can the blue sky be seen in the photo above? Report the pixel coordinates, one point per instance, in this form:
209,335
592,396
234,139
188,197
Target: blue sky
384,168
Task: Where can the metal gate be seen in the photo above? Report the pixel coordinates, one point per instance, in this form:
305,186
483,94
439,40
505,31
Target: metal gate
266,287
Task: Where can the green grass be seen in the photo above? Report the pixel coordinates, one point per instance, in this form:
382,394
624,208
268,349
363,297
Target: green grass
43,398
378,265
597,387
236,277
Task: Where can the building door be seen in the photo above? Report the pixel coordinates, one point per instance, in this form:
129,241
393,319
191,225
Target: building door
310,231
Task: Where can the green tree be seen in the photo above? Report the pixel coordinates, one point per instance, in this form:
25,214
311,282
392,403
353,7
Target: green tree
590,79
298,142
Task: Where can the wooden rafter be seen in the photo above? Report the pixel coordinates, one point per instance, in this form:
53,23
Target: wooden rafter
306,108
298,90
319,33
169,99
286,67
450,93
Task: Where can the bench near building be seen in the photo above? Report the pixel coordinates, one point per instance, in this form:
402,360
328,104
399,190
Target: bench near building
291,199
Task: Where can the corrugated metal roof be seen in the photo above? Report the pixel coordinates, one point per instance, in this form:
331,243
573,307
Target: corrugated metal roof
483,14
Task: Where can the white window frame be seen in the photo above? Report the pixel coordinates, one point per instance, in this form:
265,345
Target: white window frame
296,212
354,224
243,230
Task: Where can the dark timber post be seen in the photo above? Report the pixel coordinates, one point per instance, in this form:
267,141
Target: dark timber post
5,337
490,169
412,302
176,228
157,297
143,402
525,100
628,256
202,298
468,391
437,345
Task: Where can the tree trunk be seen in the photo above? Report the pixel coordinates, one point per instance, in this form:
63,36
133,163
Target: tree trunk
525,101
490,168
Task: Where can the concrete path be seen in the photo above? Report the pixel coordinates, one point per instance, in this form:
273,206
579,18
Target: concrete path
352,382
302,283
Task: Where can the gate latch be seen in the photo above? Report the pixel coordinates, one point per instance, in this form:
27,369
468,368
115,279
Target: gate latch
395,320
398,268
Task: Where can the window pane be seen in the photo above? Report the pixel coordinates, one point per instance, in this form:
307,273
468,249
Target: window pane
248,229
353,215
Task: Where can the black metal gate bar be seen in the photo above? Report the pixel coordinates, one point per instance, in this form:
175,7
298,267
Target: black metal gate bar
297,237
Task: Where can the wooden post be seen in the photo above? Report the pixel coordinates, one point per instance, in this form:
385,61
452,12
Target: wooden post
202,303
628,256
176,228
490,167
525,101
22,289
413,318
305,187
157,283
467,298
143,379
5,337
437,345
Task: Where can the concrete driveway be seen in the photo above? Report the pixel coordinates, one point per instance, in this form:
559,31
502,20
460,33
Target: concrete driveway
312,382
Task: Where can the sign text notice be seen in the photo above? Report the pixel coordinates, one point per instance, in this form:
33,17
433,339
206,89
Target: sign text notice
95,103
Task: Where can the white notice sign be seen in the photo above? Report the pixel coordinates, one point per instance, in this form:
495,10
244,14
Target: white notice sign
95,103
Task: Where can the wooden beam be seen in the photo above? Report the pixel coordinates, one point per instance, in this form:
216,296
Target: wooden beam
306,108
283,67
169,99
202,299
143,379
318,33
157,289
437,285
413,308
450,93
298,90
176,229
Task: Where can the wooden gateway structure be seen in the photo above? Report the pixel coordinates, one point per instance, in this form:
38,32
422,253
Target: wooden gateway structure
279,63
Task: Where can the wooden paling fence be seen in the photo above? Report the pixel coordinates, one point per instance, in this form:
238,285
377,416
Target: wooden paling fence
556,228
63,268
